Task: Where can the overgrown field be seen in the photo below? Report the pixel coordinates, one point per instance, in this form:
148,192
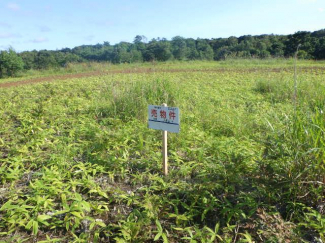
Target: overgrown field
78,163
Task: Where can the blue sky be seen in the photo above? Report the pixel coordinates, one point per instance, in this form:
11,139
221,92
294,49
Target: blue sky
31,24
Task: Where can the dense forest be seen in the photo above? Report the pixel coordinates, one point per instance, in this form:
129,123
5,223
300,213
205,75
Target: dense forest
312,46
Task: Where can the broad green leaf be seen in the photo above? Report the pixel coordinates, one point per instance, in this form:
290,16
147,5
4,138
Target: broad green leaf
157,237
158,225
43,217
6,205
29,224
60,212
77,214
164,238
35,227
100,223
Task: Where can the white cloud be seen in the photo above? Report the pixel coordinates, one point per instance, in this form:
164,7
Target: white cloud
48,8
6,25
13,6
44,28
39,40
9,35
321,10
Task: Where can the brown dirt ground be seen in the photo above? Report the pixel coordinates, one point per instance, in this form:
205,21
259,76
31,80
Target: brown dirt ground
149,70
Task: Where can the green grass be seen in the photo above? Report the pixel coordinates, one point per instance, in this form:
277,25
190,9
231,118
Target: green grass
233,64
78,163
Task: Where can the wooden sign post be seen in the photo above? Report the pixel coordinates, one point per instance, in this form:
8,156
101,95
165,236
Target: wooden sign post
164,150
166,119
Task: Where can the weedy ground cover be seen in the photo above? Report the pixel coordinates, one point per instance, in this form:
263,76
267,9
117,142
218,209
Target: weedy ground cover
76,70
78,163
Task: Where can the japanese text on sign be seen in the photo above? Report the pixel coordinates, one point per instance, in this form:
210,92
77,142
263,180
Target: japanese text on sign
164,118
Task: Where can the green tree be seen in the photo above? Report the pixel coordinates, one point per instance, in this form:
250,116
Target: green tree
277,49
10,63
28,59
45,59
63,58
232,41
140,42
179,48
222,53
318,33
304,38
204,49
192,53
158,50
264,54
320,49
124,52
135,56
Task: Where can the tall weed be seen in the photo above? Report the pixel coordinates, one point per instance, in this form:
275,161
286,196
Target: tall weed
130,100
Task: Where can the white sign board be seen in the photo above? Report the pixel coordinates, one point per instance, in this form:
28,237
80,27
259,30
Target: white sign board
163,118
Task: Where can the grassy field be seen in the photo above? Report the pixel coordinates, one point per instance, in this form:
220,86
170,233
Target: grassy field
105,68
78,163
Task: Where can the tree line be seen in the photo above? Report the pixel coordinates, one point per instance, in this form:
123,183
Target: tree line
178,48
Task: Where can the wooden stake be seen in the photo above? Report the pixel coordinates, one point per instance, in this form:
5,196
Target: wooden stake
164,151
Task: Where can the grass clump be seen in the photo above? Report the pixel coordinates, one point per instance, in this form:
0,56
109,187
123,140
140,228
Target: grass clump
132,100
